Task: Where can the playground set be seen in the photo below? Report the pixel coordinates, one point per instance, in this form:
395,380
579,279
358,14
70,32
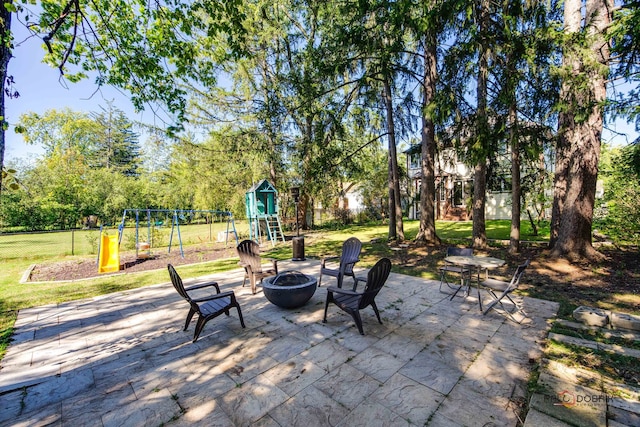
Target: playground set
261,209
151,220
261,204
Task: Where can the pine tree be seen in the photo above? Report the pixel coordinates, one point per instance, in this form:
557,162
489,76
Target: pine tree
116,146
586,65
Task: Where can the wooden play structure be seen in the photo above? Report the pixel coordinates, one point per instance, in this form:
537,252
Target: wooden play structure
261,202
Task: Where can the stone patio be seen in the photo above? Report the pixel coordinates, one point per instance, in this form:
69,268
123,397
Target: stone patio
123,359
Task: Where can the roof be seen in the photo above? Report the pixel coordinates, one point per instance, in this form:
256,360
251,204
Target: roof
262,186
416,148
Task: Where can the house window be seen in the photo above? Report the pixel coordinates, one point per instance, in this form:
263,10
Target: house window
458,194
414,160
499,183
441,191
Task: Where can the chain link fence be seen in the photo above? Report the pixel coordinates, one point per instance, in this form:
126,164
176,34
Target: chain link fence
84,242
50,244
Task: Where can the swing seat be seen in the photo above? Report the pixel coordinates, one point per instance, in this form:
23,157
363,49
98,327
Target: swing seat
224,236
143,250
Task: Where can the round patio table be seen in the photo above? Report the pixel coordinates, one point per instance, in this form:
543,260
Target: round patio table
485,262
477,262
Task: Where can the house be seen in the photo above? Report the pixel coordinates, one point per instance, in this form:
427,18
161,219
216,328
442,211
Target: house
454,188
351,198
346,207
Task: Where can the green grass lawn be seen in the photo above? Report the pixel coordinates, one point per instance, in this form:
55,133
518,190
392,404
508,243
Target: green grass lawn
18,252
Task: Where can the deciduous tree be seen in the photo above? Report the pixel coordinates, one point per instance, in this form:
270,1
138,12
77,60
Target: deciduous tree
146,48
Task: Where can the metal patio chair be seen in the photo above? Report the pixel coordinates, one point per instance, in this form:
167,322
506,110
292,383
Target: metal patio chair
462,271
498,290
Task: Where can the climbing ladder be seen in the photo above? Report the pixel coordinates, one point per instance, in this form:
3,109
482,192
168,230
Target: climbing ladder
273,228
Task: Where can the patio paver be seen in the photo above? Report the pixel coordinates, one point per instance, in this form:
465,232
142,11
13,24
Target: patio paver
123,359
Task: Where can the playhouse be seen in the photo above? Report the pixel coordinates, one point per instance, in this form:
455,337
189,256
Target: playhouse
261,203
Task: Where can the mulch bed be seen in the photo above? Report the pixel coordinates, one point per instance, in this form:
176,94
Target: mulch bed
86,268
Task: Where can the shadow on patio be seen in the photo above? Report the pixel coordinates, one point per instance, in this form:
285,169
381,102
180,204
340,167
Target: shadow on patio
123,359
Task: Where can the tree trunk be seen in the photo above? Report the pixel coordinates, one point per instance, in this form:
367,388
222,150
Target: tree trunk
392,203
514,143
575,213
306,161
566,122
5,56
482,126
427,232
394,186
540,204
479,202
516,189
303,207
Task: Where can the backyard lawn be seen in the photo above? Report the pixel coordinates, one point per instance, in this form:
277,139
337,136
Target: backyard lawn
612,284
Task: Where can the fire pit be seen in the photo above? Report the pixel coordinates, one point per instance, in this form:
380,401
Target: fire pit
289,289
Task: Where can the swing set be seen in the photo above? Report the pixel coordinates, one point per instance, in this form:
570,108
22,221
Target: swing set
142,216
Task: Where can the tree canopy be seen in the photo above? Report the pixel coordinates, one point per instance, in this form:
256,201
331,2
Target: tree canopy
304,93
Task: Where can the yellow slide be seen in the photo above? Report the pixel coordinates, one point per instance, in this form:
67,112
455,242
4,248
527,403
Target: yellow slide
109,257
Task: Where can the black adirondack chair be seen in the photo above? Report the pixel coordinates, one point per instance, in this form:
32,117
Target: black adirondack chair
347,259
352,302
207,307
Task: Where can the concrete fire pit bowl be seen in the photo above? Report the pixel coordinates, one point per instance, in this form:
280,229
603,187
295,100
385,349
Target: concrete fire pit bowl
289,289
